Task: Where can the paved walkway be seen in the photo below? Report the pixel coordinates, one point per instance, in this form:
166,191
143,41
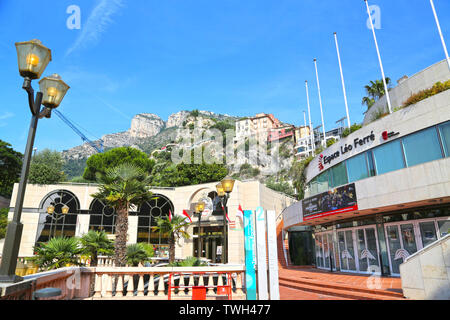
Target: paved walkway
314,284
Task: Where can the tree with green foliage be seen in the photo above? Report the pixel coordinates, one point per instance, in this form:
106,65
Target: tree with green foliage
46,168
100,162
95,243
189,262
298,177
375,90
350,130
139,253
10,168
57,253
122,187
280,186
175,229
3,222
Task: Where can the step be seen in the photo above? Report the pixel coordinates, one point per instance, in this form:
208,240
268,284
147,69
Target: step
351,290
341,293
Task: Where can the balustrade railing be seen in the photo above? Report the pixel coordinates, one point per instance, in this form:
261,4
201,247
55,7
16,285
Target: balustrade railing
129,283
153,282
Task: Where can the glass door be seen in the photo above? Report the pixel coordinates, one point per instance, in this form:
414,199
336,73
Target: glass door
346,251
367,246
324,250
427,232
401,244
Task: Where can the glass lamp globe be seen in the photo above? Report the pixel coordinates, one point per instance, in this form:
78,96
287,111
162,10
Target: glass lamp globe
65,209
53,90
50,209
228,184
201,206
220,190
33,58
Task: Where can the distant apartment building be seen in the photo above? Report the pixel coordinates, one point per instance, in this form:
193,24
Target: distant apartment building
258,126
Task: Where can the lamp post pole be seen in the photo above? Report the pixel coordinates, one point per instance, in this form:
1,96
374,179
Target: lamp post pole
199,250
15,227
33,58
224,201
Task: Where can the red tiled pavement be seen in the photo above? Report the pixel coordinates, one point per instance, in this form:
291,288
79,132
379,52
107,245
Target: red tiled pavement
311,282
308,283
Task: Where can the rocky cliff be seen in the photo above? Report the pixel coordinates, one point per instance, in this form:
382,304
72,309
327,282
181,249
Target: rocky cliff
147,131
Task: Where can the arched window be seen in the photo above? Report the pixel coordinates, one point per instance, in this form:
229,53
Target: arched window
52,221
159,206
102,217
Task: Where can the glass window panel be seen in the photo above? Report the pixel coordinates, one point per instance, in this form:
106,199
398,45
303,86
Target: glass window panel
371,163
422,147
444,130
444,228
372,247
323,182
409,239
388,157
362,252
343,250
394,246
326,252
357,168
339,175
427,233
350,249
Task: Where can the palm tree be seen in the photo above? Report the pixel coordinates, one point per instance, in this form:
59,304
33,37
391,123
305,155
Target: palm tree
175,229
57,253
122,187
374,92
94,243
138,253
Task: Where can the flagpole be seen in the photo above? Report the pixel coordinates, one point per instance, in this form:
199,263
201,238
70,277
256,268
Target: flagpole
311,132
320,104
440,33
342,80
379,58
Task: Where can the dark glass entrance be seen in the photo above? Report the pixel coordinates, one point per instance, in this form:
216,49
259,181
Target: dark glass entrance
212,243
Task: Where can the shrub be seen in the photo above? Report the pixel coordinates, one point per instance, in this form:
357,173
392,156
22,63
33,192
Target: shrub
352,129
438,87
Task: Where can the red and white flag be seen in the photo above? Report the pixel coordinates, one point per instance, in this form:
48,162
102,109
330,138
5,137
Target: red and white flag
240,213
226,215
170,215
187,215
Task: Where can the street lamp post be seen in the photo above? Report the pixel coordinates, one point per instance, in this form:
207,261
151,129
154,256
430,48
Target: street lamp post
32,58
199,207
224,188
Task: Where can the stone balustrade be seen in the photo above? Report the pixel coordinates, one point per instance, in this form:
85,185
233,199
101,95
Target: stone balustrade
153,282
130,283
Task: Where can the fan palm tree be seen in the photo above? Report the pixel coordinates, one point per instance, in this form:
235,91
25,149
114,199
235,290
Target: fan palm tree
94,243
375,90
122,187
57,253
175,229
138,253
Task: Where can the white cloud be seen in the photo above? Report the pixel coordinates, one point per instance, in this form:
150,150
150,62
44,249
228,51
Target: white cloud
97,23
5,116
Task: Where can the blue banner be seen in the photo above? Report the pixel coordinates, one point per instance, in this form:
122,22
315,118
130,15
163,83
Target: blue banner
250,254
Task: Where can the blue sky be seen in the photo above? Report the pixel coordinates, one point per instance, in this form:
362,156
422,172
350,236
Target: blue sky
229,56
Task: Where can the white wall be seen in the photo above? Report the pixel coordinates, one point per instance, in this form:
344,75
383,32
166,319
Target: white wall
424,79
426,274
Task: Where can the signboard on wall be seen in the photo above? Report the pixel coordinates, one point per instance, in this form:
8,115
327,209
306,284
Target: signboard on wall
335,201
274,288
250,254
261,256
